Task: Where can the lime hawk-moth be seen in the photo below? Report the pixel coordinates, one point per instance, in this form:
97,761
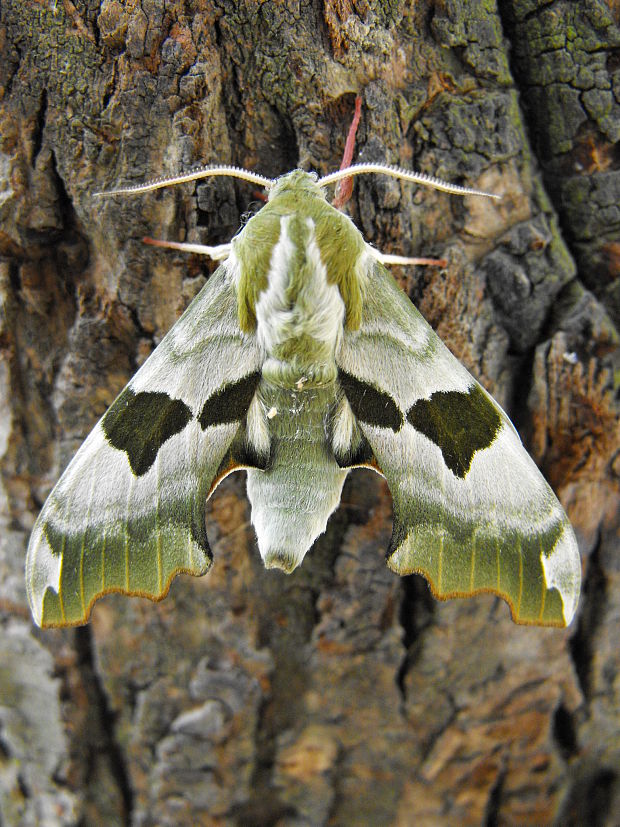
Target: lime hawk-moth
300,359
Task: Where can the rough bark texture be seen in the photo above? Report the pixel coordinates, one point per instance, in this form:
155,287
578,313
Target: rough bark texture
340,695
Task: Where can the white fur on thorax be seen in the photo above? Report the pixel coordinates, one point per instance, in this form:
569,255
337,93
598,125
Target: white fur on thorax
318,313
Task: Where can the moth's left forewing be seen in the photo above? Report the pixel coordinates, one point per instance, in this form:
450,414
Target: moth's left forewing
472,512
128,513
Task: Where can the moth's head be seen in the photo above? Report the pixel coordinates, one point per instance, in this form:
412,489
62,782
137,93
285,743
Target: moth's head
298,182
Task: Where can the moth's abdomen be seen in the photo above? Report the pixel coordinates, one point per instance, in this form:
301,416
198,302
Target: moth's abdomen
301,486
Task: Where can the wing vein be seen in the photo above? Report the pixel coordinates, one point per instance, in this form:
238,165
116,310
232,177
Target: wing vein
61,598
83,548
103,545
193,449
544,587
498,565
126,530
520,582
158,526
439,564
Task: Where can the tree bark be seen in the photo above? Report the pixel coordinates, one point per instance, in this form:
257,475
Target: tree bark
341,694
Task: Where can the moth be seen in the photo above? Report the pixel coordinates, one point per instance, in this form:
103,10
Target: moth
300,359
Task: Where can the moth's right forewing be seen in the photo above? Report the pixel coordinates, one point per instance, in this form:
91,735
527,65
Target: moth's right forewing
472,512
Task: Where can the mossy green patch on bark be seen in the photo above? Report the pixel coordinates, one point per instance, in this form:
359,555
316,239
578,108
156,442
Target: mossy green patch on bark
476,29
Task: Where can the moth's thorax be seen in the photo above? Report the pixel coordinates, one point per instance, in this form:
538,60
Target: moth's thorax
299,281
299,314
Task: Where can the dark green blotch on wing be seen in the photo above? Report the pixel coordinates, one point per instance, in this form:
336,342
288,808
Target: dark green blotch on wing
458,423
359,453
399,532
245,455
139,424
241,454
56,539
230,403
370,405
